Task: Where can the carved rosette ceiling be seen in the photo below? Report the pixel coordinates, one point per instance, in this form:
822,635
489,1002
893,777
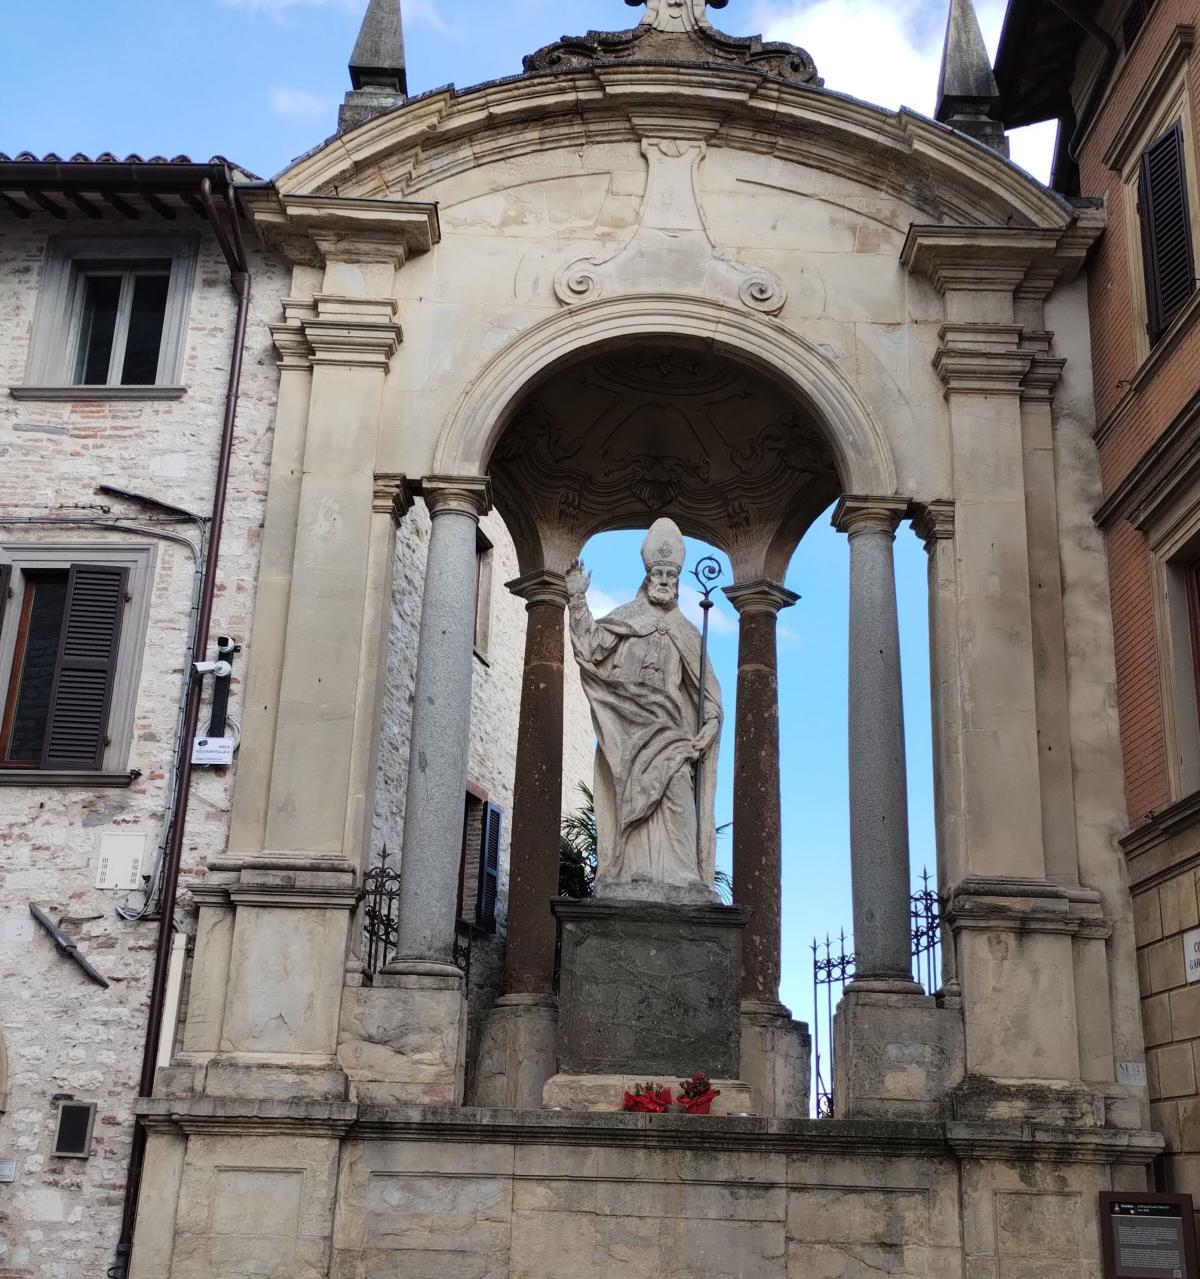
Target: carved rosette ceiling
677,31
632,435
671,249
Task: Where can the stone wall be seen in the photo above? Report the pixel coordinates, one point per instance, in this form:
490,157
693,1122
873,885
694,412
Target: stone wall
60,1218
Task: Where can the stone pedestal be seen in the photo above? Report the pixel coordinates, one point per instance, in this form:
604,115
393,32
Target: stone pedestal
517,1052
650,989
403,1040
896,1054
776,1060
599,1094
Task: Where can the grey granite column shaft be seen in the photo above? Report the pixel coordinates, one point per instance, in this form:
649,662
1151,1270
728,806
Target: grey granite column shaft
878,780
441,729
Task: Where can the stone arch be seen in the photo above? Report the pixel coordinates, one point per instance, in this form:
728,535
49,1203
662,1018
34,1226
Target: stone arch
860,448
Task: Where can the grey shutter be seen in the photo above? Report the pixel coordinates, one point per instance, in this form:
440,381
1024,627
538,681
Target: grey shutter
1166,230
87,661
5,587
489,867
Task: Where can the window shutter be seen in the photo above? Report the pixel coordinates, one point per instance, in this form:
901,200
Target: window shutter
5,585
1166,230
87,661
489,867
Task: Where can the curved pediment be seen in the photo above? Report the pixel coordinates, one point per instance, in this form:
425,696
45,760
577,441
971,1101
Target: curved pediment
408,153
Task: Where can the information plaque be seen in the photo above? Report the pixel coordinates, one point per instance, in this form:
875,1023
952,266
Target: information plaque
1148,1236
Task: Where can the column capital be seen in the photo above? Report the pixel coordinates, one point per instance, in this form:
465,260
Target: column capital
542,586
463,494
933,522
353,332
854,515
760,596
392,496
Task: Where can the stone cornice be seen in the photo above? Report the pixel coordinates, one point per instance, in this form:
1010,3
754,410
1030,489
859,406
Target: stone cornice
1001,904
350,331
542,586
392,496
463,494
760,596
1030,1140
973,371
312,230
854,515
1168,467
933,522
1043,378
1028,261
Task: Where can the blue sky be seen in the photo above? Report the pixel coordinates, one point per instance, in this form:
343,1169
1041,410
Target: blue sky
259,81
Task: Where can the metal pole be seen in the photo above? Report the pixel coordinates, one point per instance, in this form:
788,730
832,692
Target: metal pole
708,573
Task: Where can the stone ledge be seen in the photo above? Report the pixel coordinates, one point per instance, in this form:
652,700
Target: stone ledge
815,1137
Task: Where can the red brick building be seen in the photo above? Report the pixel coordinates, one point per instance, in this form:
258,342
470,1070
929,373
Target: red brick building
1123,79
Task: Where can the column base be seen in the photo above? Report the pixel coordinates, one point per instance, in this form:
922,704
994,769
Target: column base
776,1060
517,1052
896,1052
403,1039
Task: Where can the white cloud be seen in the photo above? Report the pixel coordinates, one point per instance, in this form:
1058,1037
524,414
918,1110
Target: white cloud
889,52
300,104
720,622
602,603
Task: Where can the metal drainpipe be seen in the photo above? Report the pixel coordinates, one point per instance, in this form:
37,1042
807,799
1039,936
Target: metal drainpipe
1111,56
239,278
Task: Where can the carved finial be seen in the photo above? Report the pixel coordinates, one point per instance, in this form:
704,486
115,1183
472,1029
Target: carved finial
676,15
378,72
968,96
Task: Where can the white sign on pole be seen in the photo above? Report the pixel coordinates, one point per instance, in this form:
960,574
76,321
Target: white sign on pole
217,751
1191,954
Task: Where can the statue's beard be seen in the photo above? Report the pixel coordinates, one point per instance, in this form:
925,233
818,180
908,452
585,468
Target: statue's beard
662,596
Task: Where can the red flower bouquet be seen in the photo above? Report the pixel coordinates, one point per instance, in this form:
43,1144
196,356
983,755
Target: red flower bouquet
646,1099
696,1095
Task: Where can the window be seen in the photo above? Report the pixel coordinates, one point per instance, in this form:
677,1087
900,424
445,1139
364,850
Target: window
483,593
111,314
479,872
69,626
1166,230
1134,20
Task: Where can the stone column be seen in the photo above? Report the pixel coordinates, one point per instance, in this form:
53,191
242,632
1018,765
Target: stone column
517,1051
878,779
441,730
757,831
537,794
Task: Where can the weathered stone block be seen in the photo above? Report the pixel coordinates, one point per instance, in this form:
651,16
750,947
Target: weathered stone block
776,1061
517,1052
649,988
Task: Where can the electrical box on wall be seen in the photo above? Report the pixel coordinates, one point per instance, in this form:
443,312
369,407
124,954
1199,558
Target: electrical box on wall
119,865
73,1132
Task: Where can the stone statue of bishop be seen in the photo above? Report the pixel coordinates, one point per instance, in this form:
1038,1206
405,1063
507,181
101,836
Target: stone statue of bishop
640,668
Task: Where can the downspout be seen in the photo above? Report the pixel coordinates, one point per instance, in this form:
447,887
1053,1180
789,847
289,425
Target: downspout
233,249
1112,55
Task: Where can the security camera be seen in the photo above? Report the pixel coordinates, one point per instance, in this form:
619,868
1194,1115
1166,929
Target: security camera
222,670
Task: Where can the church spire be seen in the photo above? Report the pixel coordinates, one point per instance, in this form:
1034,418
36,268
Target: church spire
377,69
968,96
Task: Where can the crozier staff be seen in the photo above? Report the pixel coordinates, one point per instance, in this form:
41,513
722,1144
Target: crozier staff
640,668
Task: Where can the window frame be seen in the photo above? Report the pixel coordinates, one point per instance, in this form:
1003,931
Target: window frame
58,314
1165,101
139,562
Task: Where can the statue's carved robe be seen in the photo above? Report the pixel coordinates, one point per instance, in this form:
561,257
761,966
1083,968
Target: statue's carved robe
640,668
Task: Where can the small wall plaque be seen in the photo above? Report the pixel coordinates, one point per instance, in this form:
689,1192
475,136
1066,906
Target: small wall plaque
8,1170
1191,954
1147,1236
1132,1072
214,751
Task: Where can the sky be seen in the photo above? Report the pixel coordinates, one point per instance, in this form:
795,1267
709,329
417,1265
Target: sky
259,81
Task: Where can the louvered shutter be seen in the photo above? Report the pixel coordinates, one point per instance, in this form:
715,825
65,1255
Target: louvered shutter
1166,231
489,867
5,585
87,661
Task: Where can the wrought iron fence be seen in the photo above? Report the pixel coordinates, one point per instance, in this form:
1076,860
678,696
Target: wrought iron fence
381,920
833,968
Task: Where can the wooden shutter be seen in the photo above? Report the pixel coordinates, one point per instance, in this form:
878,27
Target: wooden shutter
489,867
1166,230
5,587
87,662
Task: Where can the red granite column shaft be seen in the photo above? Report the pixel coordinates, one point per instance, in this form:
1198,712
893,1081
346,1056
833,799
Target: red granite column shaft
757,819
537,794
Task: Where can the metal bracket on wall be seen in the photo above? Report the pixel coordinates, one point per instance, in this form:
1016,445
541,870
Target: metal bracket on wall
65,944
